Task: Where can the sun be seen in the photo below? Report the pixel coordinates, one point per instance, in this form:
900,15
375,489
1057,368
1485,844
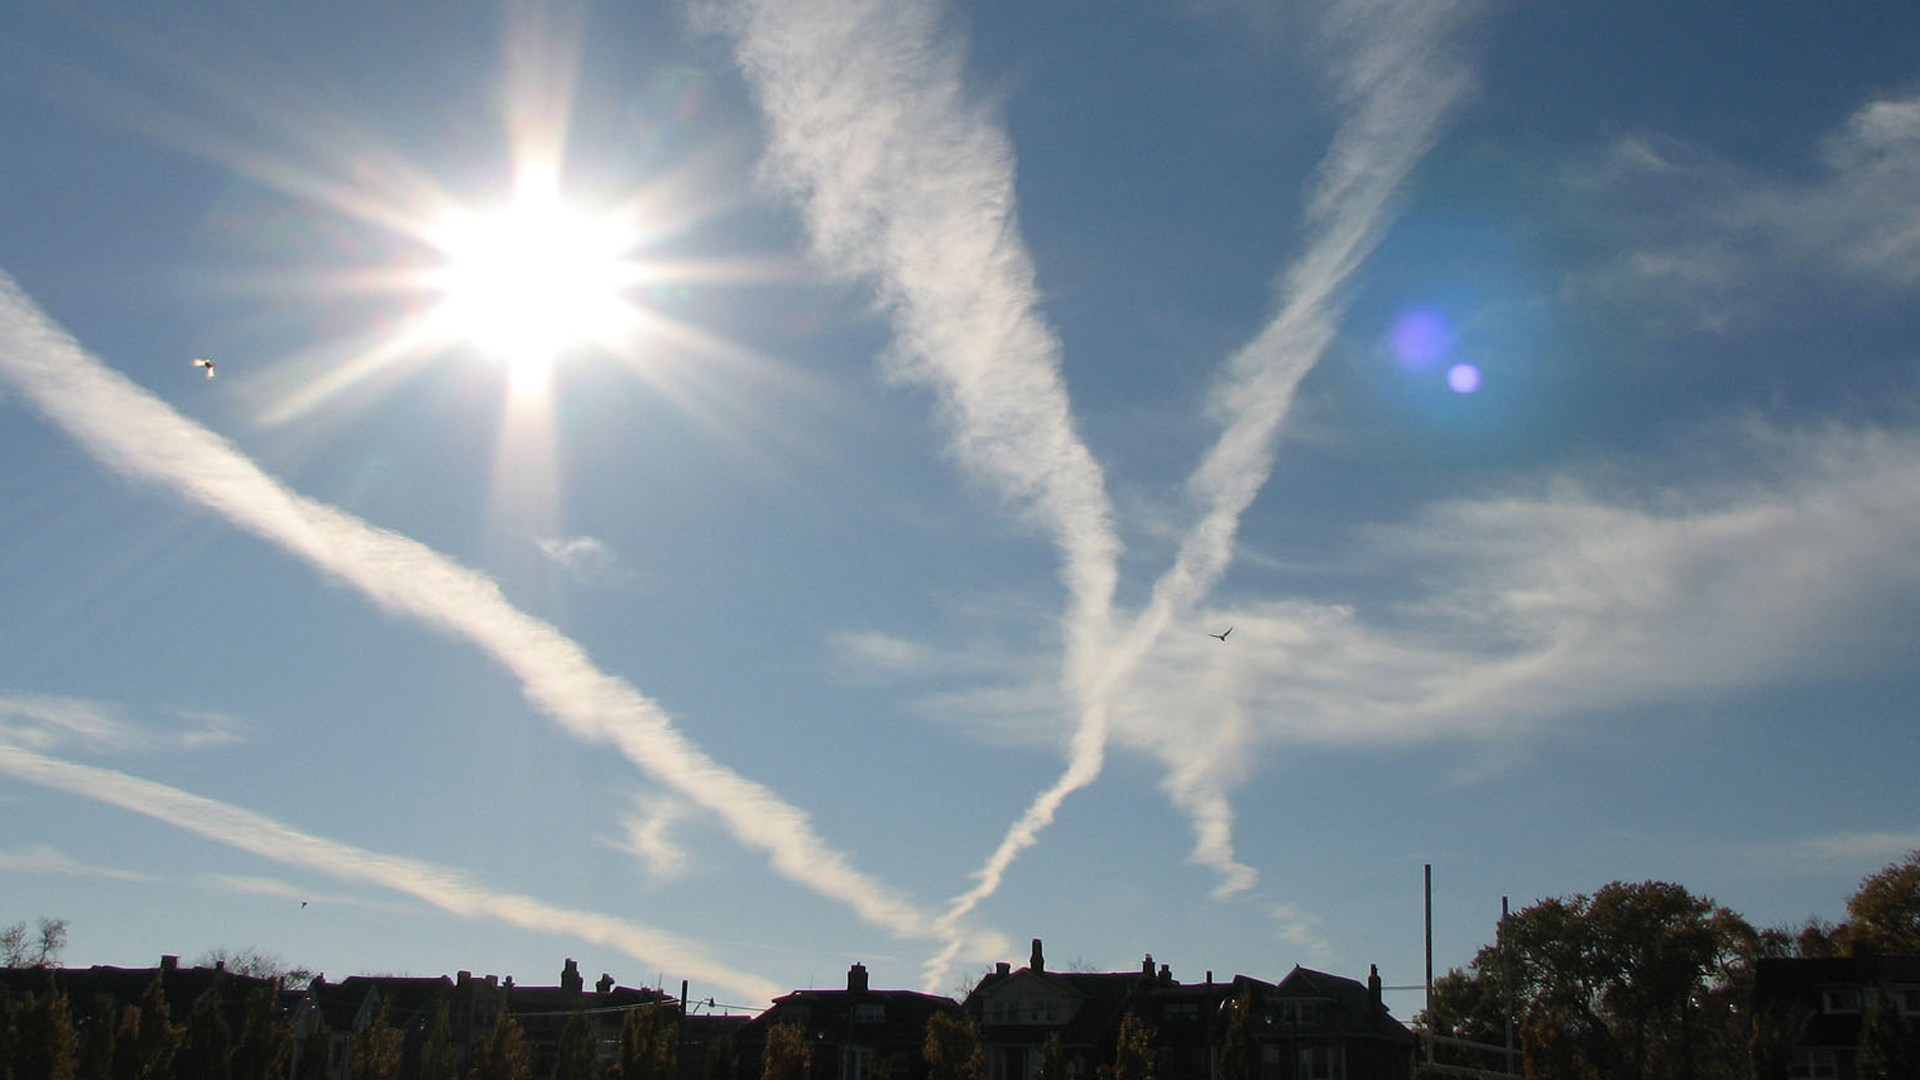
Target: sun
528,280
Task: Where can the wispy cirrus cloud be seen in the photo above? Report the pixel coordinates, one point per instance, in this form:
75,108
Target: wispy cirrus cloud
586,559
444,888
1523,612
46,859
48,722
1826,853
257,885
136,434
1722,240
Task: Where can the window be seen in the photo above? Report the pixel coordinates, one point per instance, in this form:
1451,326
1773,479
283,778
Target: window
1840,999
1813,1065
1321,1063
1908,999
869,1013
1298,1013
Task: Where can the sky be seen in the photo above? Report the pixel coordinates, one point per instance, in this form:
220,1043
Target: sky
727,490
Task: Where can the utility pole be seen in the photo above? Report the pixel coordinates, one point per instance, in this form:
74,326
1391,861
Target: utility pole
1429,906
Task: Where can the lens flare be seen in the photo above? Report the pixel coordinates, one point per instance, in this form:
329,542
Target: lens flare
1421,338
1463,378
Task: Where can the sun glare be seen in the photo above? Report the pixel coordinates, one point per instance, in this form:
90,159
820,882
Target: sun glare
528,280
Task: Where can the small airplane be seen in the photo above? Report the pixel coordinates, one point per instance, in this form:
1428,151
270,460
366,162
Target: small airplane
1222,635
201,361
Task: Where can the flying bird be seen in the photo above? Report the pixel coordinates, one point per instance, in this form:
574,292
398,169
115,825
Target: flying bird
1222,635
201,361
303,903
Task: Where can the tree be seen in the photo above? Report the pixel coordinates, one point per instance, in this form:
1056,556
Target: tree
649,1043
1053,1059
576,1048
504,1056
1637,980
97,1040
18,951
1239,1057
723,1059
1888,1049
1885,913
1132,1051
952,1050
155,1037
788,1055
438,1059
206,1043
255,963
266,1037
45,1047
316,1049
375,1053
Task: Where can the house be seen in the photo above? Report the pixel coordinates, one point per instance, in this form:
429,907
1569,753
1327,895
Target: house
858,1033
474,1006
1814,1016
1316,1026
96,995
1309,1026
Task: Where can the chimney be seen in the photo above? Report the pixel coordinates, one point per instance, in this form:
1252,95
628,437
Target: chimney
1002,968
219,965
1146,967
493,982
462,979
1373,989
605,985
1037,962
169,963
857,979
570,980
1209,977
1166,973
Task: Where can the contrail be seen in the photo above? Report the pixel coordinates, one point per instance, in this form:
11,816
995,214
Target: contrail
135,433
1400,83
905,182
446,889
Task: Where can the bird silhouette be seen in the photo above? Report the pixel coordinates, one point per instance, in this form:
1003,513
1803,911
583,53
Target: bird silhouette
201,361
303,903
1222,635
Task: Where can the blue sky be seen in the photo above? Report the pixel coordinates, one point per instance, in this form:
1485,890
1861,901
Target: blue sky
1530,388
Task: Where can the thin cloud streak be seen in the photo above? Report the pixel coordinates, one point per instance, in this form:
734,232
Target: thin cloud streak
905,182
1400,82
135,433
47,859
446,889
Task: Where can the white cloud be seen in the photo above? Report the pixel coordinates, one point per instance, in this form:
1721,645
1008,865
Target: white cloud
1823,854
48,722
135,433
1529,611
1721,238
444,888
44,859
648,829
587,560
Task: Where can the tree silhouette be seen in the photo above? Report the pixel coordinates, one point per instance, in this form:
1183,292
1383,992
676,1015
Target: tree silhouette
1885,913
439,1060
206,1044
504,1056
266,1037
375,1053
1132,1051
576,1048
788,1055
649,1043
952,1050
45,1044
